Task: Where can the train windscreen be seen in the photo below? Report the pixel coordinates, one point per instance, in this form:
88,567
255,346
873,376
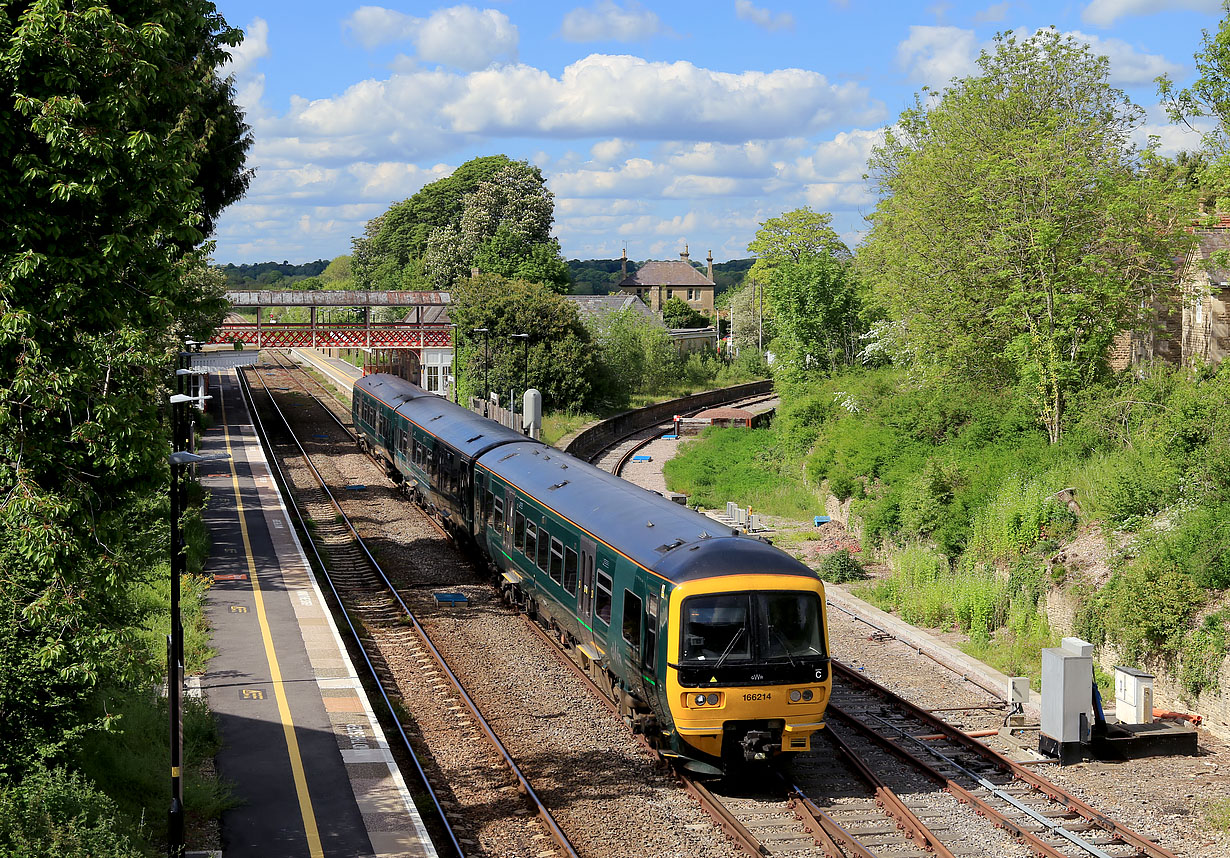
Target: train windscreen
763,636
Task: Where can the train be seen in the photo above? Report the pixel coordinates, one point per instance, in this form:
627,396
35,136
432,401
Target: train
713,643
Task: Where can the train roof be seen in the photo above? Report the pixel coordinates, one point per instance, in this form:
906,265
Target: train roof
665,537
390,389
469,433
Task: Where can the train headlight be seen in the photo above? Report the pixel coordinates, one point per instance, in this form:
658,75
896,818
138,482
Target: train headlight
712,699
807,695
700,699
795,696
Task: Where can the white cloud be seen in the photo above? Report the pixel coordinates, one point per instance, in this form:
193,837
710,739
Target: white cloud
465,38
607,151
993,13
608,21
597,96
745,10
1127,65
254,46
375,25
1104,13
1172,138
842,159
935,55
460,36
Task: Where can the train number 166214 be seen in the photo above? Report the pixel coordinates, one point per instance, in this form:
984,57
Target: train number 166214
757,695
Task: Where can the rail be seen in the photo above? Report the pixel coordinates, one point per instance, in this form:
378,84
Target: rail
523,783
599,436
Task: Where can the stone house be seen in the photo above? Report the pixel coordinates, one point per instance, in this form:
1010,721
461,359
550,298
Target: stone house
657,282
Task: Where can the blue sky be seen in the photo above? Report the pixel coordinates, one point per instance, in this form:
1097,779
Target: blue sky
654,123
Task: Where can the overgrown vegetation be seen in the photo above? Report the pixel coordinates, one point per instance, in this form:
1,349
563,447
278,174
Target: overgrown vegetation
962,490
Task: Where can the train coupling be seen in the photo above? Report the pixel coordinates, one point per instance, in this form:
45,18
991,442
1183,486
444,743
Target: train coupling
759,745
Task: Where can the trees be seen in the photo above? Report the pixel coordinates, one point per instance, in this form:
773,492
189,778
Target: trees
1209,96
1019,229
806,271
119,151
632,353
677,313
492,212
561,362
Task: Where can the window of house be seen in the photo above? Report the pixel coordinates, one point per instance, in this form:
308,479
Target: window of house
602,602
557,561
570,570
433,379
670,293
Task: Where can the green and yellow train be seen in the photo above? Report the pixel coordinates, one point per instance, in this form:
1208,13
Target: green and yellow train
714,644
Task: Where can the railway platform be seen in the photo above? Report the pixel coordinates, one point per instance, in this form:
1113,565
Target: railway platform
340,373
307,759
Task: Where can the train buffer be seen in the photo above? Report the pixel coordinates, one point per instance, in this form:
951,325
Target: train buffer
452,600
821,519
642,458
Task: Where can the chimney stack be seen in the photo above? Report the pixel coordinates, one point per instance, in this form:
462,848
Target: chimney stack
710,274
684,255
623,266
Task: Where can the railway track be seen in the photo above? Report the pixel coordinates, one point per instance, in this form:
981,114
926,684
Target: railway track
381,623
895,781
615,456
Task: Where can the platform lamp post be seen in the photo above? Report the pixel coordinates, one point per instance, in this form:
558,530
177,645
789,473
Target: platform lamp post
486,365
525,365
175,640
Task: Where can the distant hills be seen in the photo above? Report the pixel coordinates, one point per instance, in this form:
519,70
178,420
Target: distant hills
589,277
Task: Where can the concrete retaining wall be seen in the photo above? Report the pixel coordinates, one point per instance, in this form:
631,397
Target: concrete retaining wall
596,436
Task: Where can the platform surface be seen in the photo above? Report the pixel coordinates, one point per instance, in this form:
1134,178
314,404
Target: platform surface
342,374
307,758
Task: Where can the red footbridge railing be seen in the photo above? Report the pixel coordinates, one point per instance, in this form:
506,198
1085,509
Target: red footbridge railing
271,335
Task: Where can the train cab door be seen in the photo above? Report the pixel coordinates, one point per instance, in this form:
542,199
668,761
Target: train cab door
510,506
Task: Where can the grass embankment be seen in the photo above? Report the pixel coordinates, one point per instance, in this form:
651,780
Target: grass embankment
957,487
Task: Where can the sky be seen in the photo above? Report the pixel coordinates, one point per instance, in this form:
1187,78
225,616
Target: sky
655,124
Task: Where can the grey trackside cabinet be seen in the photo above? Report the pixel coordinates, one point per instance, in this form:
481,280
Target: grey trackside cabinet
1067,700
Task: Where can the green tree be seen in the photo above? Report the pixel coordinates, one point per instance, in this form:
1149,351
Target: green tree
389,253
561,363
1209,96
677,313
815,308
119,149
633,354
793,237
1019,229
505,228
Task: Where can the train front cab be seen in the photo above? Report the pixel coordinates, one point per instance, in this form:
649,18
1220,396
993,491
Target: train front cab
747,674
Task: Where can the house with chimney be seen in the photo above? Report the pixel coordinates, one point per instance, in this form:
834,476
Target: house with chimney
656,282
1191,324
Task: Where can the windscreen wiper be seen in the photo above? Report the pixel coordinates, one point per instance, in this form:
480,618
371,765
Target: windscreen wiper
785,644
730,646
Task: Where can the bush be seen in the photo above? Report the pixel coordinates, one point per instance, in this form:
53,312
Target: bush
1203,653
842,485
54,813
841,567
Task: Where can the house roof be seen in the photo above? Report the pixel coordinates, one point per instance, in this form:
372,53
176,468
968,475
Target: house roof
673,272
1209,241
599,305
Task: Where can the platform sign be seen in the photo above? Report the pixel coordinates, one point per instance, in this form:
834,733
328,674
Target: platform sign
224,359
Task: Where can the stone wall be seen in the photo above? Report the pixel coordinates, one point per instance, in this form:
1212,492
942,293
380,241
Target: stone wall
596,436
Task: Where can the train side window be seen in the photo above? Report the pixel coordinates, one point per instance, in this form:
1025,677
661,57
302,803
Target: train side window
570,570
531,541
632,618
544,541
487,505
602,604
519,531
499,514
557,561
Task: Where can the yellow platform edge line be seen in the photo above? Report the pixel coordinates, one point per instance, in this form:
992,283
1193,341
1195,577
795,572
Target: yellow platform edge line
275,672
